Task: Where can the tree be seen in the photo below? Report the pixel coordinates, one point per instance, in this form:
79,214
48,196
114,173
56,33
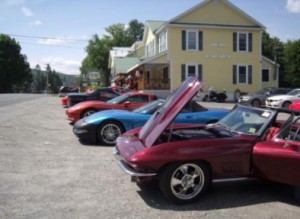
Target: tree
53,80
15,74
39,80
292,63
272,48
98,48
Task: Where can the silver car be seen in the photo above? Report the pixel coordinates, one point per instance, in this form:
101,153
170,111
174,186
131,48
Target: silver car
283,100
258,99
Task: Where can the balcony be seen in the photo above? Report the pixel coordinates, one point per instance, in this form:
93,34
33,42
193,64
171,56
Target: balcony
156,84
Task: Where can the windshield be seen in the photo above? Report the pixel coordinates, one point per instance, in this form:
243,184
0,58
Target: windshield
118,99
294,92
247,120
149,108
263,91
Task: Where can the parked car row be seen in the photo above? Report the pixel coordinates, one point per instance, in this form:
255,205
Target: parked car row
271,97
185,147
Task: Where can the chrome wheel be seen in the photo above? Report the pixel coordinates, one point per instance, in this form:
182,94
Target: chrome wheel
109,132
255,103
88,113
185,182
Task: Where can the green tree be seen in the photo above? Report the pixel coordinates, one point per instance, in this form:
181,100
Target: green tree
117,35
272,48
15,74
292,63
39,82
53,80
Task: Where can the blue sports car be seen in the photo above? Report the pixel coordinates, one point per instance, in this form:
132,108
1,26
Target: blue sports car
105,126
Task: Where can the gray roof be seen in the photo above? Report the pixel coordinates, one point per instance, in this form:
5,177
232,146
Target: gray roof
122,64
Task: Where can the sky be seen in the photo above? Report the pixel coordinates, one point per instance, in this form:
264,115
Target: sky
56,32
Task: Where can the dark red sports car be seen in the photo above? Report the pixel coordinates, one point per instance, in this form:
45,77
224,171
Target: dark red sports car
128,101
186,158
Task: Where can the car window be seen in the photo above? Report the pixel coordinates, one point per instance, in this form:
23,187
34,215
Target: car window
138,99
246,120
150,107
108,94
192,106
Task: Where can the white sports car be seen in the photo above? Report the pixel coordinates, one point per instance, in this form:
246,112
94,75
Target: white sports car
283,100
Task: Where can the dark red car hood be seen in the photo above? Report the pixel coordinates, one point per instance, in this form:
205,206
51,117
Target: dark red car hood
160,120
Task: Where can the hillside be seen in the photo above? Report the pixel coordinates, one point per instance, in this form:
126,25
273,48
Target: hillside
68,80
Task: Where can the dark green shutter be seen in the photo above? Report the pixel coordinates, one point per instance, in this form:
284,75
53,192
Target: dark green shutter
234,41
200,36
200,72
182,72
250,42
183,40
249,74
234,74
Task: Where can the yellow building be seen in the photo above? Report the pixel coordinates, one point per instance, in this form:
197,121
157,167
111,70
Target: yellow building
215,41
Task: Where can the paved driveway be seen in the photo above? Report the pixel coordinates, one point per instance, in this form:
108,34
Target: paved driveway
46,173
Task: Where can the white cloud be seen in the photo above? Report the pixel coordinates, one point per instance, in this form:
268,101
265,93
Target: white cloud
26,12
293,6
8,3
59,64
36,23
54,41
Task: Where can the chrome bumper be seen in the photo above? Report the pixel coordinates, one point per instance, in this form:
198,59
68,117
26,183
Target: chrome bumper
126,168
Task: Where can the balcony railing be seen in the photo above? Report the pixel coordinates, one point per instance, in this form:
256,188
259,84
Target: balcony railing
156,84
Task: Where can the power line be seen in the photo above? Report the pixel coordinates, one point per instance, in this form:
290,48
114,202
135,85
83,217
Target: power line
61,46
46,38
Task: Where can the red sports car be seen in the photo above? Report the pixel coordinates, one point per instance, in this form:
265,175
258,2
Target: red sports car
128,101
185,158
295,105
64,101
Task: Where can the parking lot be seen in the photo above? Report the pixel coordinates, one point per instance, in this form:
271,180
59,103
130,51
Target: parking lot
45,172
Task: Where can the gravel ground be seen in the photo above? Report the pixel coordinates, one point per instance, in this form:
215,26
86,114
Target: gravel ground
45,172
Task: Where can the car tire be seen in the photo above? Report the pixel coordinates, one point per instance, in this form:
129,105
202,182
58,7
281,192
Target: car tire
88,112
109,131
184,182
256,103
286,104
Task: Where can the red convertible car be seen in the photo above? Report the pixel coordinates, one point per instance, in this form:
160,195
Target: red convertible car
184,158
295,105
128,101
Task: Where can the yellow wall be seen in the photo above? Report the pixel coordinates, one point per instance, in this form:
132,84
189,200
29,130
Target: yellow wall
215,13
271,68
217,58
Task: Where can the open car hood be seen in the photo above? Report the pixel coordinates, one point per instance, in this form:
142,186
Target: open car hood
162,118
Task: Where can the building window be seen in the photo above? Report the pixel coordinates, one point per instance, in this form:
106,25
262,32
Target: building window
265,75
242,42
162,42
150,49
192,40
191,70
242,74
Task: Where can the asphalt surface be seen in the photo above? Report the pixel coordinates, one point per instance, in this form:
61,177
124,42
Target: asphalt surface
45,172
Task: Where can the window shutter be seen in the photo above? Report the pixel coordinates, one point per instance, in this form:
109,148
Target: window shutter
234,74
234,41
182,72
250,42
200,72
200,36
249,74
183,40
